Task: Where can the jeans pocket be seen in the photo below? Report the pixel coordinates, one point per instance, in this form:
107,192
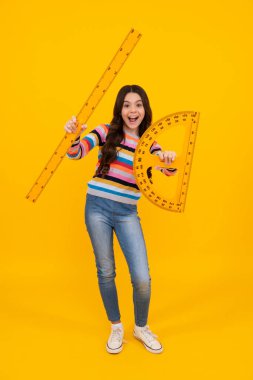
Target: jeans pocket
92,199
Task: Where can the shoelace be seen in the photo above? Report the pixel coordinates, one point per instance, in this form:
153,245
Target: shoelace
148,334
116,335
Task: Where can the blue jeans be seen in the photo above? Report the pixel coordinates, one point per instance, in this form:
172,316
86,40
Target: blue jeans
102,217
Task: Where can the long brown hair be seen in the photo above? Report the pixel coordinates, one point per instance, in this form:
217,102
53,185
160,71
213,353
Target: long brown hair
116,133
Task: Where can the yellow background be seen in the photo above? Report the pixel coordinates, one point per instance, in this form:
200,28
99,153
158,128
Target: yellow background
193,56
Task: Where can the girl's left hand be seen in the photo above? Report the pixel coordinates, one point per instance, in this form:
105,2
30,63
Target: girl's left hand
168,156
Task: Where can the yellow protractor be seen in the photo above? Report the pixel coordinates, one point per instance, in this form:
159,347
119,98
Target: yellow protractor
89,106
144,160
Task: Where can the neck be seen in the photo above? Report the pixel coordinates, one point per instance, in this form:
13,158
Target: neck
134,132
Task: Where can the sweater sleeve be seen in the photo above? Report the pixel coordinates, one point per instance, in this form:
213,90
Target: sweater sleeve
81,147
155,147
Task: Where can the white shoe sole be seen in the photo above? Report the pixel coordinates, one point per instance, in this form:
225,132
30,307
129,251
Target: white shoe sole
114,351
158,351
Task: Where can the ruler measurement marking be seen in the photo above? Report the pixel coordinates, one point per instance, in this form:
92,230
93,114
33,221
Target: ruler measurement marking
144,159
84,114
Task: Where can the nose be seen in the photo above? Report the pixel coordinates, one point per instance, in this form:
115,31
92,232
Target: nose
133,109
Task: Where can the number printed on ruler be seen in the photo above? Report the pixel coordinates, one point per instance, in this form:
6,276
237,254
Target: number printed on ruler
155,190
82,117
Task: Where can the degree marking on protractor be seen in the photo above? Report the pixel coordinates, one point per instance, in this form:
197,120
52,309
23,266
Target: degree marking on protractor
88,108
144,159
191,138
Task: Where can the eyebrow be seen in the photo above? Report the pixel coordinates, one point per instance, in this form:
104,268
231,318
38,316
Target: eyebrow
127,101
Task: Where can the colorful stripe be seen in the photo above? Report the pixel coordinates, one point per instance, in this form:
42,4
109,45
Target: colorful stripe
119,184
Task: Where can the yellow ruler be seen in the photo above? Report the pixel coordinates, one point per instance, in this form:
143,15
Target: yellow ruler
89,106
144,160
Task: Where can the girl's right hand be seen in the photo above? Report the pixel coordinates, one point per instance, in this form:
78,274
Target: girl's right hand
71,126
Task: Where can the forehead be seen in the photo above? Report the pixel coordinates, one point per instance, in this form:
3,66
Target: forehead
132,97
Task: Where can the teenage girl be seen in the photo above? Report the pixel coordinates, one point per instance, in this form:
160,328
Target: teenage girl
111,207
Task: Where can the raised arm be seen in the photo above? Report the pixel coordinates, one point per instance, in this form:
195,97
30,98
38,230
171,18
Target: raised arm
81,147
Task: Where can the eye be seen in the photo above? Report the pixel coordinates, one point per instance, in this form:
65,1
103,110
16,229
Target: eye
139,105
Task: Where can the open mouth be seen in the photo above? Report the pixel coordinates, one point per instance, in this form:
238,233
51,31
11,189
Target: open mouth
133,119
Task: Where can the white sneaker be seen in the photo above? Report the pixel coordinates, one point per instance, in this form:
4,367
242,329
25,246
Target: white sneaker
115,342
148,339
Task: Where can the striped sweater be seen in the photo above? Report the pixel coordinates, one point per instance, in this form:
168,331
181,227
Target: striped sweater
119,183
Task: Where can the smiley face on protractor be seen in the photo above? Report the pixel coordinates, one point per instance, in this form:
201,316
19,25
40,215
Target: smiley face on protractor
175,132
